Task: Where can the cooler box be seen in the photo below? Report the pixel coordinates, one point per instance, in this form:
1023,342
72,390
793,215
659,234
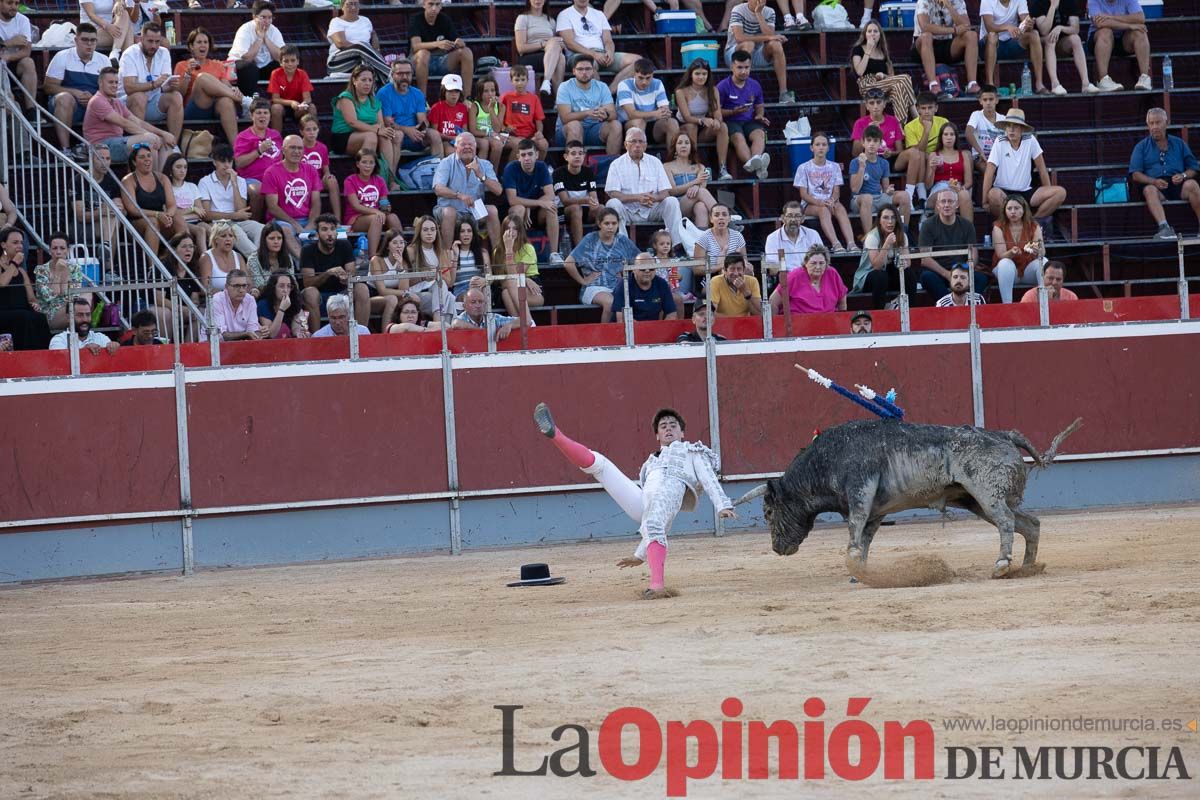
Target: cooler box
706,49
898,14
675,22
1152,9
800,150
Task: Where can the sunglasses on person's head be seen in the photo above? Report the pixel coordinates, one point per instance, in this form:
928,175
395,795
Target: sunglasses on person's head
140,146
874,94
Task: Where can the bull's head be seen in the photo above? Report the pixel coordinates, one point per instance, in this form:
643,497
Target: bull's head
788,519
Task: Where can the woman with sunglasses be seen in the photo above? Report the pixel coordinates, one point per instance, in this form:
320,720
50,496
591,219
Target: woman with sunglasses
149,200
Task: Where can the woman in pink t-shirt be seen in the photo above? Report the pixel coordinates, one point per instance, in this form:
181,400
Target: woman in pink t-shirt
815,289
366,197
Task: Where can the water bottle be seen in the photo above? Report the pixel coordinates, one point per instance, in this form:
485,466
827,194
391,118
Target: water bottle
360,251
1168,75
566,244
1026,81
987,240
170,30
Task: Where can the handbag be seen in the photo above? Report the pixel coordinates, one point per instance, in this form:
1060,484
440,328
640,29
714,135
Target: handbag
196,144
1112,189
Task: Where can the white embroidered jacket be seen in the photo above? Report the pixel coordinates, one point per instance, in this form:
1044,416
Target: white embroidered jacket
693,464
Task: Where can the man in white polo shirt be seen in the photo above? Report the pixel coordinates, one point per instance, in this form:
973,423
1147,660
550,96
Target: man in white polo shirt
639,189
222,194
793,239
72,77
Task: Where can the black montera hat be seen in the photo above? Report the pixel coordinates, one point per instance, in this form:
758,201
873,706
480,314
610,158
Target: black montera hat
536,575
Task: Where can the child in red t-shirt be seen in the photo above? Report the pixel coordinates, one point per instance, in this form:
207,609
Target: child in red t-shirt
449,116
523,115
289,87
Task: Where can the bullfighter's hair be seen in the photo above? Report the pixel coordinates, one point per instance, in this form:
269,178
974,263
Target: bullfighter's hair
669,412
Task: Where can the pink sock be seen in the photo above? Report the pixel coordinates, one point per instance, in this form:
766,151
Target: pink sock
656,557
576,453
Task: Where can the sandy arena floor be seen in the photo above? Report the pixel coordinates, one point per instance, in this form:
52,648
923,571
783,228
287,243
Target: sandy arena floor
378,679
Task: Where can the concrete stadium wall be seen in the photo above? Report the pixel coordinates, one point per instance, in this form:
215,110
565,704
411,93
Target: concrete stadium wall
307,462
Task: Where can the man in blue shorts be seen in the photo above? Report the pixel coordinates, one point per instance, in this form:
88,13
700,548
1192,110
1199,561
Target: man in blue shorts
586,110
404,107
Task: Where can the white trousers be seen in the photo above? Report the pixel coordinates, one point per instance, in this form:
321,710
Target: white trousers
665,211
654,506
1006,275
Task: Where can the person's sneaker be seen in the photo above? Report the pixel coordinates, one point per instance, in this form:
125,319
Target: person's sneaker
1091,88
724,175
542,418
547,87
79,152
754,164
556,259
787,97
1165,231
1107,84
802,23
1059,90
764,163
789,22
1143,84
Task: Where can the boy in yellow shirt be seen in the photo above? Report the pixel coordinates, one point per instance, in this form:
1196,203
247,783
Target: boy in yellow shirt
920,139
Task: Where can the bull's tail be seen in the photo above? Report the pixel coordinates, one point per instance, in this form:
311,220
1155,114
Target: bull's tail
1040,459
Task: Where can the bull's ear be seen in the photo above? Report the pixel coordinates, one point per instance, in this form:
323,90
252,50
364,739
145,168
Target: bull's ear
772,489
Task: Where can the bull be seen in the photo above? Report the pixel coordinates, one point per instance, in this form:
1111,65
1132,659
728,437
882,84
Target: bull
871,468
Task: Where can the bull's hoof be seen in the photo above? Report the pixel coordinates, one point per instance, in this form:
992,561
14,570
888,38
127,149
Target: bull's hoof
1002,569
854,554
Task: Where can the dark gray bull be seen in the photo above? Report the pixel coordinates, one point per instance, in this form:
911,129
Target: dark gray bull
871,468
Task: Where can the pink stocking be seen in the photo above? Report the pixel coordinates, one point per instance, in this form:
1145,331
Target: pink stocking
576,453
656,557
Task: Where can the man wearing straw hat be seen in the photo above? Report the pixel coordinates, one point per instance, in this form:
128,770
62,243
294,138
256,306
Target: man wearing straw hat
1010,168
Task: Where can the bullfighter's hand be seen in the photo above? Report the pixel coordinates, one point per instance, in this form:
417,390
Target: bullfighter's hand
630,562
727,513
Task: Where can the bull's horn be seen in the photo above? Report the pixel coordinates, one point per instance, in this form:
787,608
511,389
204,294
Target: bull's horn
756,492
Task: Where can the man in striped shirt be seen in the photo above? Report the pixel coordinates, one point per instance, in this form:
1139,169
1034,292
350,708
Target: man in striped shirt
642,103
752,30
960,294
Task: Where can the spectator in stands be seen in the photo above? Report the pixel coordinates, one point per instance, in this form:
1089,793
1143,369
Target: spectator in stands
639,189
1052,279
52,281
404,109
575,185
539,46
523,116
485,118
220,260
985,126
681,280
316,155
450,116
186,193
718,242
428,253
149,200
16,38
701,329
596,262
793,15
279,309
20,314
474,316
256,150
814,290
411,320
1120,24
470,258
72,79
95,220
689,179
960,293
326,266
437,49
114,27
358,121
586,31
819,182
892,142
258,48
234,311
788,244
151,91
1165,168
108,122
1010,171
8,212
292,191
1008,31
942,34
90,339
270,256
649,295
368,209
945,231
585,108
1018,254
514,255
742,109
733,293
699,109
459,183
950,168
861,323
353,41
752,31
870,185
183,266
289,87
391,257
878,267
872,65
529,189
223,194
339,319
1057,23
143,330
642,103
920,139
